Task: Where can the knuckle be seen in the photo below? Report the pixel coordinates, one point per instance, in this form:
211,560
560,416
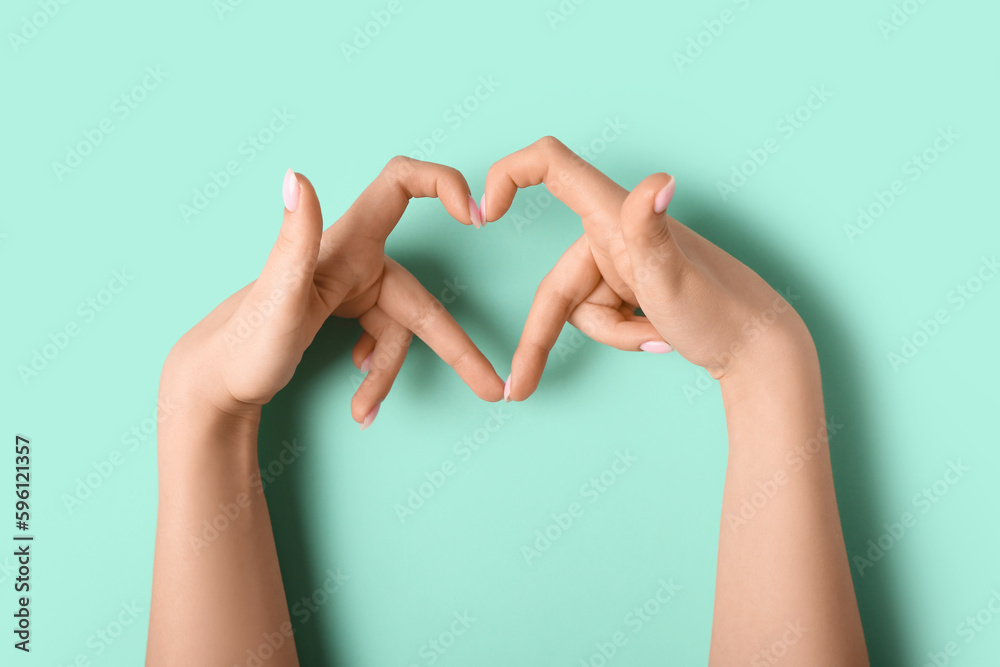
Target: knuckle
552,291
424,317
398,166
550,144
400,340
285,244
590,324
464,360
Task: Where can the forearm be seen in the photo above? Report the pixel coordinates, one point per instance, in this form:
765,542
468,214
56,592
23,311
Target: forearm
781,551
217,592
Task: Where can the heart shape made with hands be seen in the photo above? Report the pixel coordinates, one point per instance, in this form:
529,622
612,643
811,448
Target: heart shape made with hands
694,296
591,286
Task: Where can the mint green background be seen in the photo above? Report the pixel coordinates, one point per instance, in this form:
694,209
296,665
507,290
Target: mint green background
333,507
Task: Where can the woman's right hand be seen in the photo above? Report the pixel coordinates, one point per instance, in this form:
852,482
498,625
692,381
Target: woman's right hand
711,308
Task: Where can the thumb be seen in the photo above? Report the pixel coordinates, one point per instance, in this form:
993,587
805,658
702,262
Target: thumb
653,252
292,262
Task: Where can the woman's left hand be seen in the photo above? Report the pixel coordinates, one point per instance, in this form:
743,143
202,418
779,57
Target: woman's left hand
240,355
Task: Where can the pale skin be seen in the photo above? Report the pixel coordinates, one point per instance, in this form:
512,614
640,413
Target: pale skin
782,576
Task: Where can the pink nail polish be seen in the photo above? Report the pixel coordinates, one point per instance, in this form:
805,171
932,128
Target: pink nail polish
366,363
290,191
477,217
506,390
371,417
664,196
656,347
482,207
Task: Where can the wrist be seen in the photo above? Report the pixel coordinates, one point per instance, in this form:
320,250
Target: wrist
198,423
782,361
197,389
198,441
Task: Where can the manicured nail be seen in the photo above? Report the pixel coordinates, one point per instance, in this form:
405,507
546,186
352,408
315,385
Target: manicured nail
290,191
371,417
506,390
477,217
482,207
367,362
664,196
656,347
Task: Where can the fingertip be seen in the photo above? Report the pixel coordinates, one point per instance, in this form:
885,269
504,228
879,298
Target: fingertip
370,417
663,196
359,408
365,401
642,214
491,392
298,193
290,191
656,347
361,354
303,215
292,260
454,192
474,213
655,190
526,372
498,194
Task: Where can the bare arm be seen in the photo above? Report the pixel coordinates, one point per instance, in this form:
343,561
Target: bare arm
783,586
785,568
217,590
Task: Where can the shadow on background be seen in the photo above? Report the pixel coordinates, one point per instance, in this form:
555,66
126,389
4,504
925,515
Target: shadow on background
283,419
846,400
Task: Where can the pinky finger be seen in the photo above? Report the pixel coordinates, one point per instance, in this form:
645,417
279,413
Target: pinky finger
392,341
611,327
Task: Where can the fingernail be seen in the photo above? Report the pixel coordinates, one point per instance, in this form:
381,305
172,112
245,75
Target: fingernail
366,363
482,207
664,196
656,347
477,217
506,390
371,417
290,191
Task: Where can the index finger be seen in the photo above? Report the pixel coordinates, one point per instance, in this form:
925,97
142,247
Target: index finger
569,178
376,211
404,299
